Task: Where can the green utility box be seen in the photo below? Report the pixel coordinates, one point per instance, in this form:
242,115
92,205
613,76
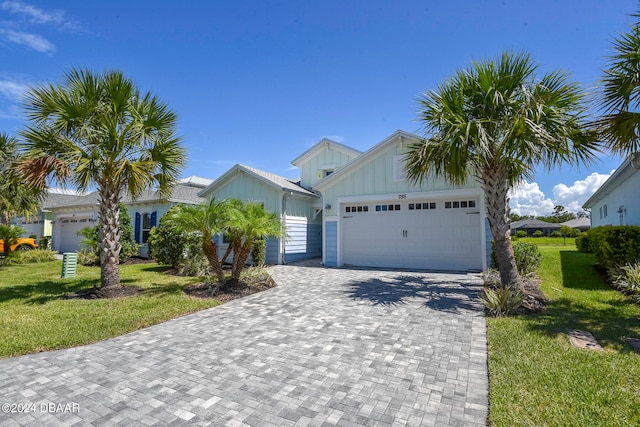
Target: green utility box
69,264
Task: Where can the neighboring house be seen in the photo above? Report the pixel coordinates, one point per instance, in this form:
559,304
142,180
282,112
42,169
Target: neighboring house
533,225
582,224
617,201
40,224
360,209
67,214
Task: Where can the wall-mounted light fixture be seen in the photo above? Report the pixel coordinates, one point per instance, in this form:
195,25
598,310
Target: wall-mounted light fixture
327,206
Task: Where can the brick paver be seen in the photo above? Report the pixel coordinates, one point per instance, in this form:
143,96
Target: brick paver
326,347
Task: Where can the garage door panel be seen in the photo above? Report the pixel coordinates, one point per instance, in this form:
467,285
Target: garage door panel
439,238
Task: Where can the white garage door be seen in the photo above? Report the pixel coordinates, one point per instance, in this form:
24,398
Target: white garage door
69,227
426,234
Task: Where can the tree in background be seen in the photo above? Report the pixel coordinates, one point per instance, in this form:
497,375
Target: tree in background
17,197
495,122
97,129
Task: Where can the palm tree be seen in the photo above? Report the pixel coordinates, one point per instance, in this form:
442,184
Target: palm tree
207,219
249,222
619,126
495,122
17,197
9,234
97,130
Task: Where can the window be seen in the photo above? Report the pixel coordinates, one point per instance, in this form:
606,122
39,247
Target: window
385,208
146,227
604,210
355,209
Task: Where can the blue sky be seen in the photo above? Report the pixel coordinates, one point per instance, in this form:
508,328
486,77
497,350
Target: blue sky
259,82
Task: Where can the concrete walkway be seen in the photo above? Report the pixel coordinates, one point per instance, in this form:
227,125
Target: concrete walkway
325,347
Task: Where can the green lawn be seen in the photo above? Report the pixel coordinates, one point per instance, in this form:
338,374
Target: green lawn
34,316
538,378
545,241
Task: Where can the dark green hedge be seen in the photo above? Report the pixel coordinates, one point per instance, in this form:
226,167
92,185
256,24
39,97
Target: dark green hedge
613,245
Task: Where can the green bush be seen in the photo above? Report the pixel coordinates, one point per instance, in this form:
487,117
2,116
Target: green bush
169,244
628,280
583,243
556,234
613,245
45,242
538,233
521,233
88,257
502,301
527,255
259,252
29,257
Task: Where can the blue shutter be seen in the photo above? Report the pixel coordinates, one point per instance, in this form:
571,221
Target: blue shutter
137,228
154,216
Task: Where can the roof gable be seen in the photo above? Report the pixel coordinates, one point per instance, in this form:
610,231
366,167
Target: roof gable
398,136
275,181
324,144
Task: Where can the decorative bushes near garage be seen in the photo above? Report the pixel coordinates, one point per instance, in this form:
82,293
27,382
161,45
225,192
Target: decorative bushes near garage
613,245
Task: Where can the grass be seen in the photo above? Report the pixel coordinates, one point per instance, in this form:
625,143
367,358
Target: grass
34,316
538,378
545,241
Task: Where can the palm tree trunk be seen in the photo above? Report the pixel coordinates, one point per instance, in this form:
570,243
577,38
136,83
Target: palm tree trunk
211,252
496,192
109,236
240,257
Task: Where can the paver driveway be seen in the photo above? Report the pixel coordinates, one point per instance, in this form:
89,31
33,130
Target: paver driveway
325,347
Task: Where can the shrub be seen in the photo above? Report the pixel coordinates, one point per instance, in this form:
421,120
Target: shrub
170,244
521,234
195,265
556,234
538,233
259,252
29,257
583,243
613,245
527,255
45,242
502,301
628,280
88,257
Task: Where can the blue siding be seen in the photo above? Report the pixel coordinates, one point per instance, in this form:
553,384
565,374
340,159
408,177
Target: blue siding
273,247
311,247
331,244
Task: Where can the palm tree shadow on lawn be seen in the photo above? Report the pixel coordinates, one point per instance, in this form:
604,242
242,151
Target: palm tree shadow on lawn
440,295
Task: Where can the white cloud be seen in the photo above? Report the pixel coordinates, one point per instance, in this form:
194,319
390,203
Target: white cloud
19,29
573,197
32,41
11,89
35,15
528,199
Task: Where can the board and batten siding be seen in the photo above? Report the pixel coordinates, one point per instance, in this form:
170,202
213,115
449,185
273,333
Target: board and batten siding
248,188
380,177
331,243
309,170
304,239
